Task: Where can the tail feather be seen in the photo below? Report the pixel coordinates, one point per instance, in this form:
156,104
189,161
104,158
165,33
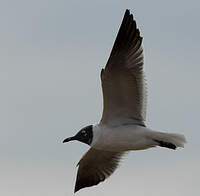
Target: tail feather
166,144
169,140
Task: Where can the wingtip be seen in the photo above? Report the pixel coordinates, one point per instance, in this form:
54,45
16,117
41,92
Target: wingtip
127,11
129,14
76,190
78,187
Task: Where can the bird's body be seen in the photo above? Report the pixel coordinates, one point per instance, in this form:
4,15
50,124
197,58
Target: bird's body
121,138
122,126
129,137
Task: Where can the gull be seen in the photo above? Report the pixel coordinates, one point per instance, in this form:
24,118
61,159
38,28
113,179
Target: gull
122,126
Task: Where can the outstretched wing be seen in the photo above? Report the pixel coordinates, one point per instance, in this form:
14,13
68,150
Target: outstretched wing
95,166
123,83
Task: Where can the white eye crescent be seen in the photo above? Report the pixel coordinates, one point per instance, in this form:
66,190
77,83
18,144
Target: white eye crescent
84,133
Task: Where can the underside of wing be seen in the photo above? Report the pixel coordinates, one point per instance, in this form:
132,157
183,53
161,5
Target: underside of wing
95,166
123,82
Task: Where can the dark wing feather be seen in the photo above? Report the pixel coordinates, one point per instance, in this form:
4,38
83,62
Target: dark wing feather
95,166
123,83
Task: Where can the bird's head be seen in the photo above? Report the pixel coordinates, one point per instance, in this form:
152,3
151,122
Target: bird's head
85,135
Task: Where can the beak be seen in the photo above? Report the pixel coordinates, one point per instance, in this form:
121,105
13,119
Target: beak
69,139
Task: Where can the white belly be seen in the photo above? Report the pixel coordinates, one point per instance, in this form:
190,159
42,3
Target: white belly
121,138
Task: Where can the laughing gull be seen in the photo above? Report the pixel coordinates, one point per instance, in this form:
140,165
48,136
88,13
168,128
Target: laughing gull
122,126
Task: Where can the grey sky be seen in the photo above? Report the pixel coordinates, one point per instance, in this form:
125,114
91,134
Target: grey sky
51,54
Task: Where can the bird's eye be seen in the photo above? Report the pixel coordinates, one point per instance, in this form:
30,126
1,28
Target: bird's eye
84,133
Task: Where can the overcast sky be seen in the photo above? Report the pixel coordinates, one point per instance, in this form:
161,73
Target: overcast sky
51,54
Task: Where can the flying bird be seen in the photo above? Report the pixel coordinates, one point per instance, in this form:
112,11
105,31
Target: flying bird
122,126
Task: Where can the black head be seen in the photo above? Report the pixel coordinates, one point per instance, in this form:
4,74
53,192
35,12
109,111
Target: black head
85,135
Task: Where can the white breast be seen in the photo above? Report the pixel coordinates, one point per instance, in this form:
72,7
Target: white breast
121,138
